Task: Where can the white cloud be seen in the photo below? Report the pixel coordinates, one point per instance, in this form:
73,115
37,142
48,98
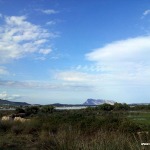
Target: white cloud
3,71
40,58
45,51
146,12
72,76
125,61
51,23
5,96
49,11
93,79
18,38
130,50
89,68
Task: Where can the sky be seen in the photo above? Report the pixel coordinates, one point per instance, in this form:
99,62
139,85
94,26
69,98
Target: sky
66,51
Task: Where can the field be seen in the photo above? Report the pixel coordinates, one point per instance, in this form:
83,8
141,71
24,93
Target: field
85,129
140,117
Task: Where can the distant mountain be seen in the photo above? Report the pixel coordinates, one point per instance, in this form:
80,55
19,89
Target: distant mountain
98,102
6,102
134,104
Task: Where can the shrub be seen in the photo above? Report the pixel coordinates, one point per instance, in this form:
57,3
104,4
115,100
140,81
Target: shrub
47,109
17,128
31,110
5,126
129,126
19,110
106,107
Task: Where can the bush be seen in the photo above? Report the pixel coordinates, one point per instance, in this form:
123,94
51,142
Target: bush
47,109
32,110
17,128
5,126
106,107
129,126
19,110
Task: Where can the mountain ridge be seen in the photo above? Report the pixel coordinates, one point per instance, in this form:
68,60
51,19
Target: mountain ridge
7,102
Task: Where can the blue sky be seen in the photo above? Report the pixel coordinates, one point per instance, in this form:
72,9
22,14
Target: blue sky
55,51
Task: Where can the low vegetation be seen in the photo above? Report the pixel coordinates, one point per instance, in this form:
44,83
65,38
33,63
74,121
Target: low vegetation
104,127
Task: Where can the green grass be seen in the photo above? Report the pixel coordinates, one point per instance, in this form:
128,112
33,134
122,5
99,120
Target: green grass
140,117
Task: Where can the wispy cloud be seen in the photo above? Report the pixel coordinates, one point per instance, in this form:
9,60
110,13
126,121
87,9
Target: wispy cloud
88,68
19,37
146,12
49,11
51,22
40,58
60,86
72,76
5,96
3,71
45,51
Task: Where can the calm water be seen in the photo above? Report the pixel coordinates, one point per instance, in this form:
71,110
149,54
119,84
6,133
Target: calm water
68,108
58,108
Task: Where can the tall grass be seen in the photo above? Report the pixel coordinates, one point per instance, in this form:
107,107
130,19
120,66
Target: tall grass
73,130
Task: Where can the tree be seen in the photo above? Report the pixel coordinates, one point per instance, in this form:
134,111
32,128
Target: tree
119,106
32,110
19,110
47,109
106,107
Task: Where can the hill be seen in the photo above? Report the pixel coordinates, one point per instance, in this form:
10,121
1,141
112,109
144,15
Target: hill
6,102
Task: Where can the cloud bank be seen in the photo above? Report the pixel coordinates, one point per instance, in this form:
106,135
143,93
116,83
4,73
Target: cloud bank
130,50
127,60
